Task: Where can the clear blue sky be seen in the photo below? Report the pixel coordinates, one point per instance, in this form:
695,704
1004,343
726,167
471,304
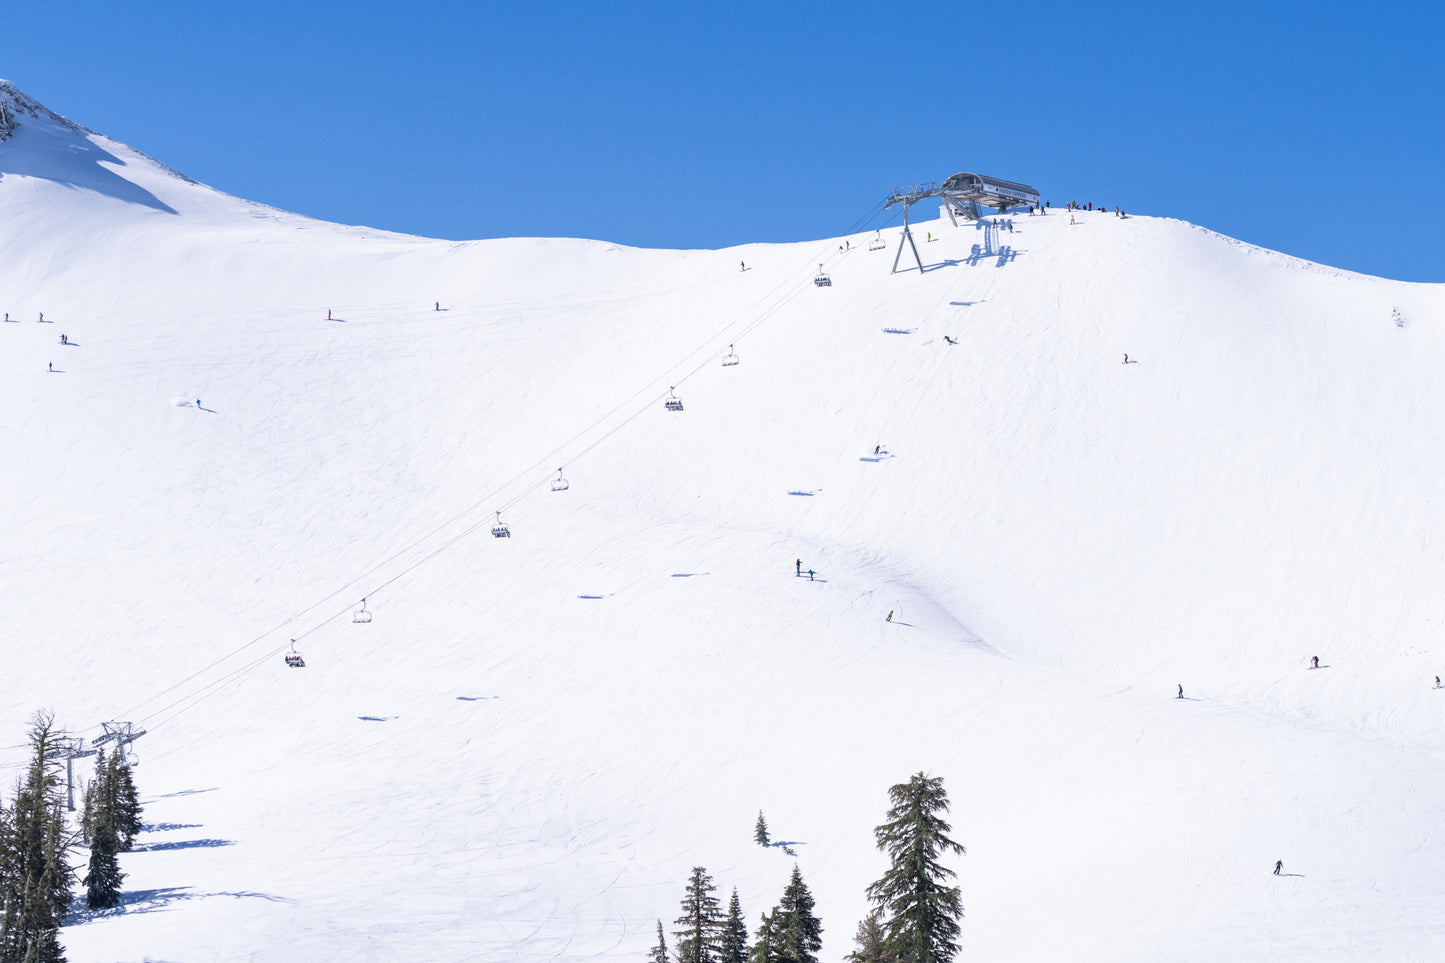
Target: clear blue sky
1300,127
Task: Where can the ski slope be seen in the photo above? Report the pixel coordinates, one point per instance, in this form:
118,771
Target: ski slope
536,738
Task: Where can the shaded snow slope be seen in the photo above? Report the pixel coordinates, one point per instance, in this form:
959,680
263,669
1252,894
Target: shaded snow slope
536,738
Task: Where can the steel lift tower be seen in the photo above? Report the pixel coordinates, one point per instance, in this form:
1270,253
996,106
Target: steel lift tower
963,194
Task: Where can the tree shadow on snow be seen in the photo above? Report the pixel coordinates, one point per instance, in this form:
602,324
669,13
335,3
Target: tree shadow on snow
152,901
184,844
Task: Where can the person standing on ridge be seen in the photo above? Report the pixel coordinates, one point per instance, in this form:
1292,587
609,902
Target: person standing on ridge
1314,662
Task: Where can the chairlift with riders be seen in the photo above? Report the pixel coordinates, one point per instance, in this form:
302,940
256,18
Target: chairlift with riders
559,484
500,530
877,244
673,402
293,659
821,279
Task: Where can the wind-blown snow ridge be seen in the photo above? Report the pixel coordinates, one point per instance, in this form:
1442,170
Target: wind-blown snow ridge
259,419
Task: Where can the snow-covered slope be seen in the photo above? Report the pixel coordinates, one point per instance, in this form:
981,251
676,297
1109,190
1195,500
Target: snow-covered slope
536,738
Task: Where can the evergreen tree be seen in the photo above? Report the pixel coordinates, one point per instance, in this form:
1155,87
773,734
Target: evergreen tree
869,940
760,831
102,881
766,947
800,933
734,945
920,911
659,952
35,881
124,800
700,925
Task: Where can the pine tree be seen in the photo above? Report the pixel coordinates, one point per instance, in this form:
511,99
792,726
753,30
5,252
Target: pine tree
766,947
800,933
35,882
102,881
734,945
659,952
760,831
700,926
869,941
920,911
125,801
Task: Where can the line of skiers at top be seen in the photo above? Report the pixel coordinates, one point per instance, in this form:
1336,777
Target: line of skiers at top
1314,664
1076,206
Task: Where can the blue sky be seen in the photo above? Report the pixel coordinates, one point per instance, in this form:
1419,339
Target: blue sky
1294,126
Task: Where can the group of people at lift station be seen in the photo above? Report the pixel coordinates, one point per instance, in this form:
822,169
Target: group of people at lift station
1076,206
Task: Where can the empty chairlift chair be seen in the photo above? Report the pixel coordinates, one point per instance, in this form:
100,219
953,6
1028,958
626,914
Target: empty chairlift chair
293,659
822,280
361,614
730,358
877,244
673,402
559,484
500,530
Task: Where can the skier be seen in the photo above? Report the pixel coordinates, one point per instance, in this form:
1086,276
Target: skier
1437,682
890,616
877,449
949,340
438,306
198,402
742,265
800,568
1126,358
50,366
1314,662
810,575
1278,865
7,315
42,317
62,340
328,314
1181,690
1071,218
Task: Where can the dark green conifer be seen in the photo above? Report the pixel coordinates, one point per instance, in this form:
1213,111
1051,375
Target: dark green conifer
800,933
869,941
760,831
734,945
766,946
125,801
659,952
699,928
35,878
920,911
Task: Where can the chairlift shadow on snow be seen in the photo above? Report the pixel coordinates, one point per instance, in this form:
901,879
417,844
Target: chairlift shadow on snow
168,827
899,330
803,494
476,698
152,901
377,718
187,792
595,597
689,574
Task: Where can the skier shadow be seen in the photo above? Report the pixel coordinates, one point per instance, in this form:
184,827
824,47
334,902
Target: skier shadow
688,574
70,344
377,718
184,844
209,411
594,597
1299,875
1322,665
803,494
881,456
187,792
963,304
899,330
475,698
901,622
153,901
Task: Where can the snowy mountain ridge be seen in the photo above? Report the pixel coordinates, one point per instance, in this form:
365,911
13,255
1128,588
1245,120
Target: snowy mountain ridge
259,420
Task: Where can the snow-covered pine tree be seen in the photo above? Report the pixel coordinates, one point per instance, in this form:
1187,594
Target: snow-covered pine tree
699,928
760,831
869,946
659,952
734,945
125,800
800,933
35,881
920,911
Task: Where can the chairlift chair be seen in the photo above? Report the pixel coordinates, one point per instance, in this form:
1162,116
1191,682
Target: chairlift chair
673,402
559,484
500,530
822,280
293,659
877,244
361,614
730,358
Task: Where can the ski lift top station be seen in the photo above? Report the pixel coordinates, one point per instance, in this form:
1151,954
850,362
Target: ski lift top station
963,195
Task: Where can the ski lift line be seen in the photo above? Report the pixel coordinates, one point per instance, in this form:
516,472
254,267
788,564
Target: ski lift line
767,315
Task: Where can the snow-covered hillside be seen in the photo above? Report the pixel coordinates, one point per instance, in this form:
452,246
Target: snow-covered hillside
535,739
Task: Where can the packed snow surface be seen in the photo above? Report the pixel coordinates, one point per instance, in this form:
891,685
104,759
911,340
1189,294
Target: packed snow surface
261,419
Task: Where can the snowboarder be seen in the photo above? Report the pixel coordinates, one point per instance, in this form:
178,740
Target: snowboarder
890,616
949,340
800,568
1314,662
1278,865
1181,691
810,575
